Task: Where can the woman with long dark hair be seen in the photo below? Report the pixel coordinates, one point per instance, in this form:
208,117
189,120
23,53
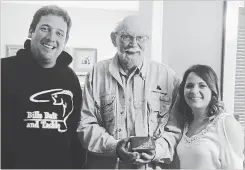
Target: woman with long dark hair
212,138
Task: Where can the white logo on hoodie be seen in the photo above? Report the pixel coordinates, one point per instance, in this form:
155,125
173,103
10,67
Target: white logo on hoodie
51,120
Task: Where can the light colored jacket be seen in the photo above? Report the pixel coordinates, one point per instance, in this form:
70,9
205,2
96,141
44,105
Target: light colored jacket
101,122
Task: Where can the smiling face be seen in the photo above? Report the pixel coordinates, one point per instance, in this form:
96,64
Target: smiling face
48,39
130,39
197,93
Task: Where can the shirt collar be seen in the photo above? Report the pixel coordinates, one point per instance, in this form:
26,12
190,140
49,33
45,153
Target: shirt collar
115,68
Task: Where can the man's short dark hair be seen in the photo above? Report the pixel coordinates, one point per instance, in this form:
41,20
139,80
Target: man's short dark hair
51,10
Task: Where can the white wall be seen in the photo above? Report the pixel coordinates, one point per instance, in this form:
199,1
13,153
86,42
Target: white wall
91,27
191,30
157,30
145,11
192,34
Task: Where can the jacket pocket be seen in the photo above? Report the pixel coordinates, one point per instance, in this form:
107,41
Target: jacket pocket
108,111
165,101
158,111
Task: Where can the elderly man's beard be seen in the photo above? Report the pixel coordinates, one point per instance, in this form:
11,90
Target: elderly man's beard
130,62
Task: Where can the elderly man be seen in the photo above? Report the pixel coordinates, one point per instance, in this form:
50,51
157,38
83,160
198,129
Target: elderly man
41,98
127,96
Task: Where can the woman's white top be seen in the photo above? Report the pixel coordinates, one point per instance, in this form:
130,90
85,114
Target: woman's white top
211,148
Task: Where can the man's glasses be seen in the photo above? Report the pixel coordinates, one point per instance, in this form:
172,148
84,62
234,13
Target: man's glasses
129,38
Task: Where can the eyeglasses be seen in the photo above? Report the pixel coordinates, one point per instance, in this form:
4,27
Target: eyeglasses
129,38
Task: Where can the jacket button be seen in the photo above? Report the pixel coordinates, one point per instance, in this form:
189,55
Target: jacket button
119,130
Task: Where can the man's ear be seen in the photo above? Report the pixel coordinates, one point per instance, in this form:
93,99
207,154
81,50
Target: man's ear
113,39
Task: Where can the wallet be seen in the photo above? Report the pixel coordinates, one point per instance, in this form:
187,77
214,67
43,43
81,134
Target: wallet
141,144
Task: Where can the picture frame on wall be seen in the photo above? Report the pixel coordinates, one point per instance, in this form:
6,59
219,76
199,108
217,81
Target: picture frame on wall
11,49
83,60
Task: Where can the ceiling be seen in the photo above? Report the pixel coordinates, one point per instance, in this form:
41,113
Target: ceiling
112,5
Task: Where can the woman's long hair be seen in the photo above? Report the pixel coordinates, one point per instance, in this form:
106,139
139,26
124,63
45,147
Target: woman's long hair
209,76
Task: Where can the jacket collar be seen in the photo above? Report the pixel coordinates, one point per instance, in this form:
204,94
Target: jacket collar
115,69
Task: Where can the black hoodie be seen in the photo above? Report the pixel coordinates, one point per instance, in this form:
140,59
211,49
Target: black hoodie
40,113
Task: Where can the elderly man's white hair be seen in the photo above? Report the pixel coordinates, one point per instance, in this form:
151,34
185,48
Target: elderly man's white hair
132,21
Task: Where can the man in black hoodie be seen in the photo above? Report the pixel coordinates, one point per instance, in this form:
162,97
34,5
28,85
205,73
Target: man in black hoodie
41,98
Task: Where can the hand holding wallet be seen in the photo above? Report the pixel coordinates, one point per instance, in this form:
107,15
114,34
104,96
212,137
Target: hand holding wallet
142,144
124,153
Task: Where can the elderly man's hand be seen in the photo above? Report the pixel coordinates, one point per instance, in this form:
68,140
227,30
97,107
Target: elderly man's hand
124,152
146,157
